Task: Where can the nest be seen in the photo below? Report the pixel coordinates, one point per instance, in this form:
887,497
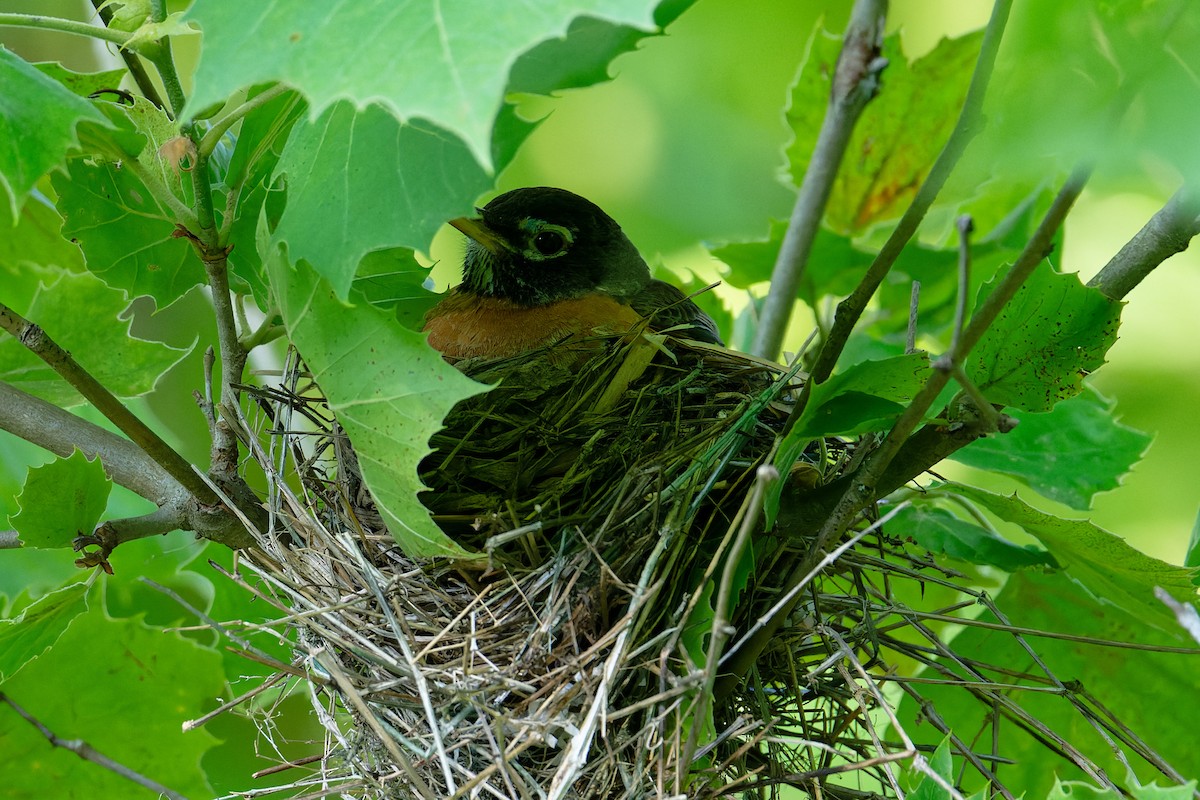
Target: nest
615,498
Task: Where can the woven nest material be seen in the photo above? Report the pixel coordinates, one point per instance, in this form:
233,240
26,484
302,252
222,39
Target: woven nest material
610,496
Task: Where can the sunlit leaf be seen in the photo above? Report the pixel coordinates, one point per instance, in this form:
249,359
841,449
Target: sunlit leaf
360,181
456,56
388,389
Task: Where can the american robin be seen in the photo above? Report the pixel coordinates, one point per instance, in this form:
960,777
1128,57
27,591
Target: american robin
545,265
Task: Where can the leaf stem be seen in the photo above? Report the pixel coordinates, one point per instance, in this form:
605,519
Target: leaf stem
136,69
218,129
164,62
119,38
45,348
855,83
161,192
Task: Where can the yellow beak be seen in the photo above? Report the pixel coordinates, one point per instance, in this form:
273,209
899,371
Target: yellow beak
477,230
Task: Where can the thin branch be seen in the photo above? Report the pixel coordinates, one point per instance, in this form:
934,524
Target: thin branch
965,227
970,123
1168,232
41,345
855,82
88,753
1038,247
136,70
855,492
914,308
119,38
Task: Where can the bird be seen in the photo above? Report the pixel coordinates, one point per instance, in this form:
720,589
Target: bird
544,265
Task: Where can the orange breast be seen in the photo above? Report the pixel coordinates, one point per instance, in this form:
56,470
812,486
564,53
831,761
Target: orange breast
469,326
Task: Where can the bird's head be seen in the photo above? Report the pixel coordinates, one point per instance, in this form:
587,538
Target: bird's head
539,245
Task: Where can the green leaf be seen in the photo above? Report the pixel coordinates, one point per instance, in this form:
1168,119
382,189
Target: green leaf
125,688
509,133
834,267
39,625
899,134
865,397
578,59
943,765
1142,689
1113,571
448,64
396,185
35,243
149,31
99,341
127,236
1069,454
119,210
1051,334
940,531
393,279
1192,559
82,83
38,117
62,500
1079,790
388,388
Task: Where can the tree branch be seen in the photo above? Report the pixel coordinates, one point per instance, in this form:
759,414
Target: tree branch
855,83
61,432
41,345
1168,232
89,753
968,126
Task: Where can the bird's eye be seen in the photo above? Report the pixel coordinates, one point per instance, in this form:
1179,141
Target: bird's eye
549,242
